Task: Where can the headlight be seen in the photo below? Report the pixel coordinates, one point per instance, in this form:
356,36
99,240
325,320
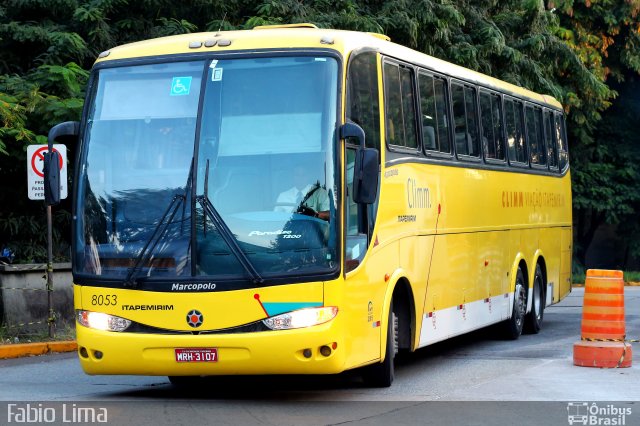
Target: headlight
301,318
102,321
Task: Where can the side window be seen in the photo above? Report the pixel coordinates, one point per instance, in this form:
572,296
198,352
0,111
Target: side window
442,109
563,146
435,122
357,240
515,135
534,135
408,107
363,107
549,131
400,106
464,116
491,118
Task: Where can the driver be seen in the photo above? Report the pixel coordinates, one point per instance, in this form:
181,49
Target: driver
305,198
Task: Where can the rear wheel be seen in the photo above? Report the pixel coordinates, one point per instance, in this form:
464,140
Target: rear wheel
533,321
513,326
381,375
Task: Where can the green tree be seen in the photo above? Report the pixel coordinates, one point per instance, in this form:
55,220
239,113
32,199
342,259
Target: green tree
29,106
605,35
571,49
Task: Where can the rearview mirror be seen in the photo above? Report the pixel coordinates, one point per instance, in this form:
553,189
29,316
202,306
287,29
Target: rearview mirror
352,130
51,169
365,179
51,178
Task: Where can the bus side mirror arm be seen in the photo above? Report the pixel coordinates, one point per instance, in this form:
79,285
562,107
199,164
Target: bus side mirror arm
366,168
51,169
352,130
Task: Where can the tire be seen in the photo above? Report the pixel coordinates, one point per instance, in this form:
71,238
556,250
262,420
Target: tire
381,375
533,321
514,325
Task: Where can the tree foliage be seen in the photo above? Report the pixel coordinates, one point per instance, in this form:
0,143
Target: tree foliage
605,36
575,50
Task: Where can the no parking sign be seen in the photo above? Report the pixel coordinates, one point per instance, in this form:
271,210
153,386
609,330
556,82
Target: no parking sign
35,170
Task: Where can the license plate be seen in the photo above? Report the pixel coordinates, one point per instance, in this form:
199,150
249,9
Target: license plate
196,354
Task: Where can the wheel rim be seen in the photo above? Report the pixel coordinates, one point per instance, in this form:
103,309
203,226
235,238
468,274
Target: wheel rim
395,333
520,306
537,297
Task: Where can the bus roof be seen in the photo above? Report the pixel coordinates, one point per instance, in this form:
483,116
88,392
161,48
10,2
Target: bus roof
308,36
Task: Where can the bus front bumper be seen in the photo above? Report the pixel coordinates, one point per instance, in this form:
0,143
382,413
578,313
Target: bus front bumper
300,351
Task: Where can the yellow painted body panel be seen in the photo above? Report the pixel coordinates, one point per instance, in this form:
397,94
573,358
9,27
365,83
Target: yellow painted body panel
342,42
248,353
221,310
266,352
454,234
489,221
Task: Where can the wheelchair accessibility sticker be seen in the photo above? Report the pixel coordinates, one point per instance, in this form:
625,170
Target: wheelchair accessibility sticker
180,86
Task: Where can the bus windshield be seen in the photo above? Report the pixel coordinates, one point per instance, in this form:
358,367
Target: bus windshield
175,152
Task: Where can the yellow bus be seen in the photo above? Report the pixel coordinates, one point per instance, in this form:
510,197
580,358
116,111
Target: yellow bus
293,200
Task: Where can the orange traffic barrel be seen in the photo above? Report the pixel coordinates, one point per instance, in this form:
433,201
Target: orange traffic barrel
603,336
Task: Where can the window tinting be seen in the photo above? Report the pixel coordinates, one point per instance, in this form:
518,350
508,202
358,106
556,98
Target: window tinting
515,136
442,109
363,109
400,106
534,135
408,108
561,137
362,97
491,118
435,127
464,116
552,150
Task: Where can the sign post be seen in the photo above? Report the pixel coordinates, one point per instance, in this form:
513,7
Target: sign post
51,319
35,179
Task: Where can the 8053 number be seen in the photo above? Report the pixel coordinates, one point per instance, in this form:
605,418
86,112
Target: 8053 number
104,300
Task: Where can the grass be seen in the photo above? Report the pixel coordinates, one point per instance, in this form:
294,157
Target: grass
578,278
10,335
632,276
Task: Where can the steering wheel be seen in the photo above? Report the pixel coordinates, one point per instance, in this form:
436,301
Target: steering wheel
307,211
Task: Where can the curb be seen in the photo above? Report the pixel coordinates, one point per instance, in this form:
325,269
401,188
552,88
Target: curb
29,349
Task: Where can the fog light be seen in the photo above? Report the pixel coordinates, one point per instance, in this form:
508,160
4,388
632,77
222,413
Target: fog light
325,350
83,352
97,354
307,353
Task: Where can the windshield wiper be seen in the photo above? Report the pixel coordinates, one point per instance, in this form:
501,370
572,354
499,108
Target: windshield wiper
158,233
229,238
225,232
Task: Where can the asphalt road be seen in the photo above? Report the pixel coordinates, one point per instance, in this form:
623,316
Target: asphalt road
516,375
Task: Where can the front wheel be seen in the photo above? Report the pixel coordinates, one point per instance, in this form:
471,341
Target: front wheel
513,326
381,375
533,321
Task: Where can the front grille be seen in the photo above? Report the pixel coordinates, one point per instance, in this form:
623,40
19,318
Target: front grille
247,328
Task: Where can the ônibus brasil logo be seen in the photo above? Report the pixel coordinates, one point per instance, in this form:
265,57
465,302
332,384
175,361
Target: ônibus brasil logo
194,318
582,413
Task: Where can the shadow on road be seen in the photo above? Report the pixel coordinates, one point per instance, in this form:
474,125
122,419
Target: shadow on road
481,344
